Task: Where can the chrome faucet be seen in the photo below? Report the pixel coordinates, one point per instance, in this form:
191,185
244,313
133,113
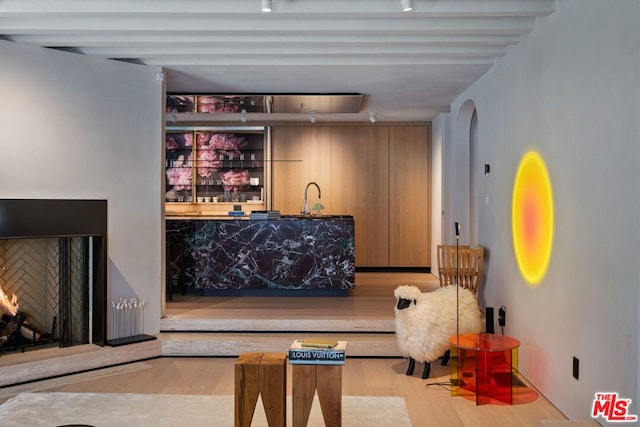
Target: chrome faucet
305,208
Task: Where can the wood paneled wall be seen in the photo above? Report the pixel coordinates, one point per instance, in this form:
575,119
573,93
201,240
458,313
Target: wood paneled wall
410,197
300,155
360,187
379,174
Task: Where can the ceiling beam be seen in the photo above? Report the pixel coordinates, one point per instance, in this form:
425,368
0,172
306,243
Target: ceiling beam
124,38
440,8
68,24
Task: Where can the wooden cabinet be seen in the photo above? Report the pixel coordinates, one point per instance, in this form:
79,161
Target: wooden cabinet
378,174
360,187
300,155
409,197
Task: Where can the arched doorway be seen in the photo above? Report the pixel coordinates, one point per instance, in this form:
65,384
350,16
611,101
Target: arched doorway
474,171
464,175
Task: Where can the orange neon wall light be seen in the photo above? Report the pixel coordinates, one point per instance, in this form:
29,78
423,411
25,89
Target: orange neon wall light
532,218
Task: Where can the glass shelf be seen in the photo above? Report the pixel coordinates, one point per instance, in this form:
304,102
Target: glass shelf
223,163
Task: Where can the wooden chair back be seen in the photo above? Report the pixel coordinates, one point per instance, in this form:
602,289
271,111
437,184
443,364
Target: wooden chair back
468,268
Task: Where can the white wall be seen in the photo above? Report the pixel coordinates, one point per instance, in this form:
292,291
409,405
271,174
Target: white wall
440,133
82,128
571,91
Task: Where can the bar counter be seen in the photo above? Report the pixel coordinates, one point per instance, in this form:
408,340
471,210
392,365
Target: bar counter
295,254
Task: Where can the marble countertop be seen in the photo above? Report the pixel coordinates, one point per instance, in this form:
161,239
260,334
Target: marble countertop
293,253
196,216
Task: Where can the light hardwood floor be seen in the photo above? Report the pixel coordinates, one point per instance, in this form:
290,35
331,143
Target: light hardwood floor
372,298
429,402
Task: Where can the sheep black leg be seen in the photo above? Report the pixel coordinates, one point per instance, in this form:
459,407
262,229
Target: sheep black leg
427,370
412,366
446,357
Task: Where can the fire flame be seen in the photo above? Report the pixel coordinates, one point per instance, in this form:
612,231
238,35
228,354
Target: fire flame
7,305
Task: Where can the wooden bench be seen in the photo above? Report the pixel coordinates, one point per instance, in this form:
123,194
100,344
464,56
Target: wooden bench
262,374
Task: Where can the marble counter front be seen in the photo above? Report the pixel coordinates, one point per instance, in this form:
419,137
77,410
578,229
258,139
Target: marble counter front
289,254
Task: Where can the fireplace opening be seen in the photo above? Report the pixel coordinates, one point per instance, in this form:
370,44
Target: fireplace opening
53,273
50,283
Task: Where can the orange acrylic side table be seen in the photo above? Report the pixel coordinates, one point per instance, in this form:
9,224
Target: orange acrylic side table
484,365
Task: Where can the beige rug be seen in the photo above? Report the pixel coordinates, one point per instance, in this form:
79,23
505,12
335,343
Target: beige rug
158,410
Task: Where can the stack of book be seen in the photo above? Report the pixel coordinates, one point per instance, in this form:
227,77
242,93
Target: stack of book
264,215
236,213
317,352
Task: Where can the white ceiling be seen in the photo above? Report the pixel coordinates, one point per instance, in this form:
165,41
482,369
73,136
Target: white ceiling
409,65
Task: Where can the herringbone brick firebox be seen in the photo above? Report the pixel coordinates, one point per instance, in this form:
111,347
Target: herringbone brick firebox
53,256
52,282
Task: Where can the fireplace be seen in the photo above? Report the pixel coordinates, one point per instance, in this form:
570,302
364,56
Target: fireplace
50,285
53,260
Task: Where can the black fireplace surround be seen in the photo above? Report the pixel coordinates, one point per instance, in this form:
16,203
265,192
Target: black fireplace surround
51,218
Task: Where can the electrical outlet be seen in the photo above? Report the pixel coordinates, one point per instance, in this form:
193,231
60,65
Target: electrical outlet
576,368
502,316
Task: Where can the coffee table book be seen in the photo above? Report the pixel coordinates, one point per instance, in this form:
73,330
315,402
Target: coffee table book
319,343
300,355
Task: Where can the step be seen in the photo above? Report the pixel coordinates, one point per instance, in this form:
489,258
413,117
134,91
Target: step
232,344
184,324
38,365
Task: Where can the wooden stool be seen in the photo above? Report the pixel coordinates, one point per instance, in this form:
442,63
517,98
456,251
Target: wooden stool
327,380
264,374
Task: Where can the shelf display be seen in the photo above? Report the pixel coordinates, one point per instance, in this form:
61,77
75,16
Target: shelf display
181,103
179,169
206,166
215,103
229,103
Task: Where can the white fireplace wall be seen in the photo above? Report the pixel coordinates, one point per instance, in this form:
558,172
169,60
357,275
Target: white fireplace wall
75,127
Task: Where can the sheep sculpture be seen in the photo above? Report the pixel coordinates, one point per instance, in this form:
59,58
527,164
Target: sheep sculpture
426,321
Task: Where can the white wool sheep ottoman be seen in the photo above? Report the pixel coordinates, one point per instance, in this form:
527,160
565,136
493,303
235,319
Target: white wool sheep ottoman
426,321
